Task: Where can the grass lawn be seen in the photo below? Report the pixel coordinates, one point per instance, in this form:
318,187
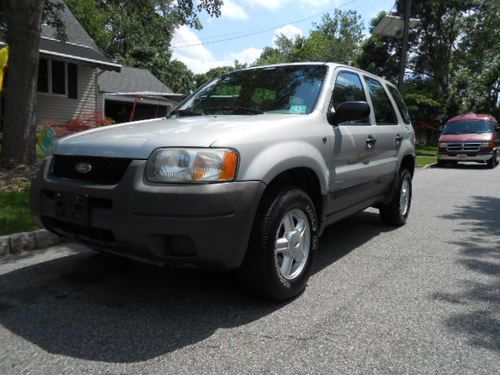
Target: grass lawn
15,213
422,161
426,150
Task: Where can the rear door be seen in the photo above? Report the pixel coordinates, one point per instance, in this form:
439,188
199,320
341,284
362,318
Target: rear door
389,132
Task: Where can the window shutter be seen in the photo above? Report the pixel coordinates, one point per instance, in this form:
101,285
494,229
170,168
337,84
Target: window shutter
72,81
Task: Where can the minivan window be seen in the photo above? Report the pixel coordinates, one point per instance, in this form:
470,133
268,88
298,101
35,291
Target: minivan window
348,88
469,127
382,106
400,104
281,89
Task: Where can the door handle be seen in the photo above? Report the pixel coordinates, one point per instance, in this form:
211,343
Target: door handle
399,138
370,140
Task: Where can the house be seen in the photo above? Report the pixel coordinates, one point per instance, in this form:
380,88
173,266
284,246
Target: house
68,71
134,94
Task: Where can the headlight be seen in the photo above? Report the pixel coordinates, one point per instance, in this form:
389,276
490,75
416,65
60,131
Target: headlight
192,165
442,145
490,144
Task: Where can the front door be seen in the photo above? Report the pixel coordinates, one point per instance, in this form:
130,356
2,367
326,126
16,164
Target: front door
353,147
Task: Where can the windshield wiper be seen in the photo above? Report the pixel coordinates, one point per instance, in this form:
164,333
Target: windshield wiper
184,113
236,110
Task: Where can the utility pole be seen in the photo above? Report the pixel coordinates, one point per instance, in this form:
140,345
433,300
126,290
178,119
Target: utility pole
404,49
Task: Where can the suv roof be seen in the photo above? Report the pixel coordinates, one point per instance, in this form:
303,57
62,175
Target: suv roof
330,64
472,117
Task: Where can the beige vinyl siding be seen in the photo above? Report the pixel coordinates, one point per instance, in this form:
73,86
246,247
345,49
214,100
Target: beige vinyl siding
60,108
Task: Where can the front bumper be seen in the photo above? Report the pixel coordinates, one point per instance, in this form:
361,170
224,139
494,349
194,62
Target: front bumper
206,225
479,157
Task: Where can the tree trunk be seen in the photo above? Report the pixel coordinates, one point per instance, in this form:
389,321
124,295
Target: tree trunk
23,36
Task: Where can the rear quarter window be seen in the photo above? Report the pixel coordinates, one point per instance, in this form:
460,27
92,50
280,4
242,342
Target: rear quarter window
400,104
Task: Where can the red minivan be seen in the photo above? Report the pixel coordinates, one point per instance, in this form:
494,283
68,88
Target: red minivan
470,137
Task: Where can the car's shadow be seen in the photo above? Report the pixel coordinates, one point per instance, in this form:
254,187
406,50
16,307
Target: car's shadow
470,165
480,255
102,308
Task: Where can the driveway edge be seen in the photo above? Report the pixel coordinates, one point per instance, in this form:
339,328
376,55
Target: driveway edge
17,243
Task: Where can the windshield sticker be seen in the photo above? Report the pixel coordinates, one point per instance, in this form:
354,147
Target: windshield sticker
298,108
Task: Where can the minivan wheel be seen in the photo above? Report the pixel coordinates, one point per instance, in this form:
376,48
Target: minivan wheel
492,163
396,212
283,246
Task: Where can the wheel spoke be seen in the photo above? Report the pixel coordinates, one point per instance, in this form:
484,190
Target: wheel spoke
281,245
286,266
301,228
288,223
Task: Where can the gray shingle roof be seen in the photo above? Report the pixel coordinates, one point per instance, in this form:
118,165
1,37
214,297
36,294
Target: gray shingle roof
75,33
131,80
79,45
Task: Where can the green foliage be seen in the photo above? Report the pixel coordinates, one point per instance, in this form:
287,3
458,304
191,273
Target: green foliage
337,38
138,33
174,73
15,213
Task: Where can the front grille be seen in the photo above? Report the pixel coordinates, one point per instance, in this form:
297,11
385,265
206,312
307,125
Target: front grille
463,147
104,171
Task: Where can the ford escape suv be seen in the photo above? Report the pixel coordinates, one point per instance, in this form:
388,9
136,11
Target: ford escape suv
244,174
470,137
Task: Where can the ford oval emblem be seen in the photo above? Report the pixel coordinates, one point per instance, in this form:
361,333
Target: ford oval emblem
83,168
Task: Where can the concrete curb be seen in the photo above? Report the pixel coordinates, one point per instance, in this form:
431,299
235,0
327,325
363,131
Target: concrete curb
428,165
17,243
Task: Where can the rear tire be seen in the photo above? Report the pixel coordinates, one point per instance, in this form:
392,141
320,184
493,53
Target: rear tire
282,247
396,212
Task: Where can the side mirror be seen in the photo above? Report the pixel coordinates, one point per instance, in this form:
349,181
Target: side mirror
348,111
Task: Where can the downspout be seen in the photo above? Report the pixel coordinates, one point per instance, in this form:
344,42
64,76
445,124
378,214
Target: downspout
98,73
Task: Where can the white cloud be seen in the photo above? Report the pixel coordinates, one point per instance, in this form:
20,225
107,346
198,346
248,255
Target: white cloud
269,4
247,56
233,10
290,31
277,4
199,58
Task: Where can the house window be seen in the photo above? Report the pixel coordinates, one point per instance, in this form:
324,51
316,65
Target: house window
58,78
43,76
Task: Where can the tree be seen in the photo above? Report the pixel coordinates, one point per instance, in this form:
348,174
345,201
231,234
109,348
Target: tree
131,28
23,21
175,74
337,38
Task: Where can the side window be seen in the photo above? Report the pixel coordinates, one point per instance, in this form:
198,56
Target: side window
348,88
384,112
400,103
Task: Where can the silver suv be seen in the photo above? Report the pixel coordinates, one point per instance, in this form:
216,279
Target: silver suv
244,174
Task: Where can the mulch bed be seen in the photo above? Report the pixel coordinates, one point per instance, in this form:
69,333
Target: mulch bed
17,178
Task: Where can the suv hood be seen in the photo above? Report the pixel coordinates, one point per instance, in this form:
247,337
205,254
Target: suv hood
137,140
484,137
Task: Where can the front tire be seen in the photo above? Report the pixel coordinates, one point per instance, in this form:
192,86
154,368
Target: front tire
492,163
283,246
396,212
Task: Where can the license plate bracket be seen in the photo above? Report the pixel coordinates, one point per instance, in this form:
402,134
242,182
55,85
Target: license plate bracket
462,156
72,208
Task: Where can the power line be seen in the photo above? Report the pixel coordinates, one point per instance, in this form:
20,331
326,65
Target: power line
245,34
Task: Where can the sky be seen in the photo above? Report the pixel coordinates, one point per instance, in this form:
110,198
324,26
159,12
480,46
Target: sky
247,26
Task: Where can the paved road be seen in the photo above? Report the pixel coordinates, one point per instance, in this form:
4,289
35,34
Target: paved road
423,299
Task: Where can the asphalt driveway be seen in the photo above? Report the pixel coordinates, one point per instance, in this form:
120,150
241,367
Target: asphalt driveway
421,299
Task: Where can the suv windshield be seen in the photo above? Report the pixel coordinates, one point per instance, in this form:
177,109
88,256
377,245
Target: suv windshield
281,89
469,127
